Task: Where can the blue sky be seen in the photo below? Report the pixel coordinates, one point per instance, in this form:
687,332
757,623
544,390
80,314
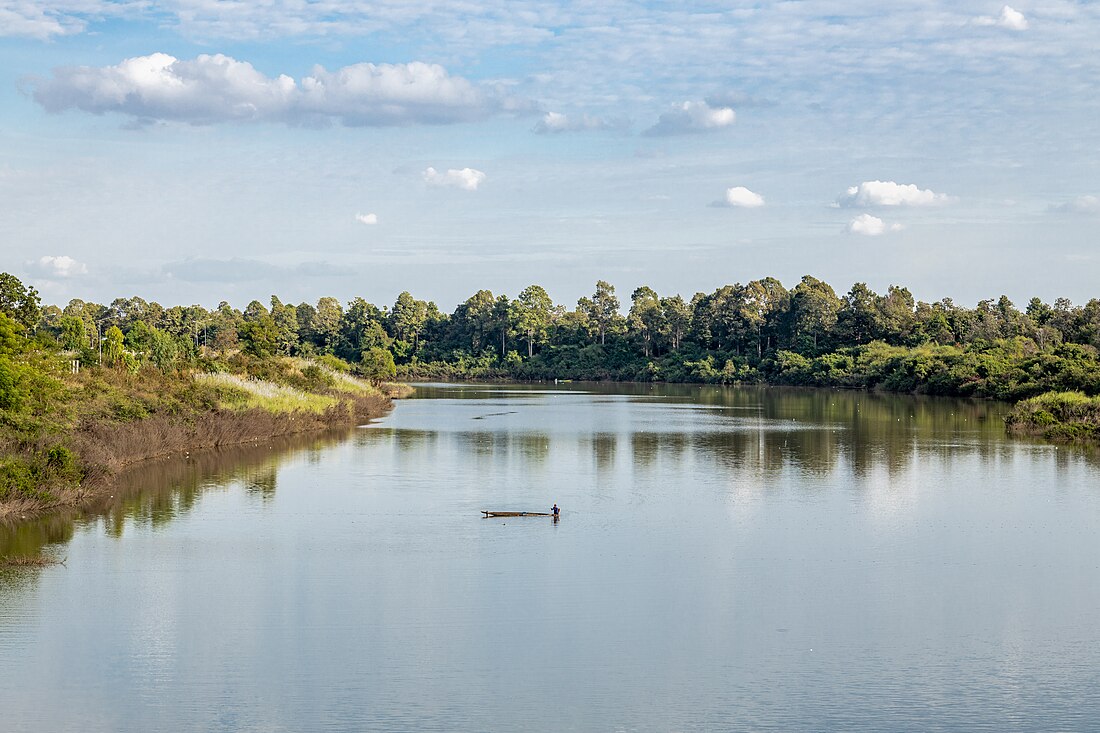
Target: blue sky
198,150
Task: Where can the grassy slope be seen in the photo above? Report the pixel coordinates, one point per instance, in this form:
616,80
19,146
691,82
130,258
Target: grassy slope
74,431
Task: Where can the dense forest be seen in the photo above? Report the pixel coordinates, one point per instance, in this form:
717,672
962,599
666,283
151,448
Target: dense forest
89,387
760,331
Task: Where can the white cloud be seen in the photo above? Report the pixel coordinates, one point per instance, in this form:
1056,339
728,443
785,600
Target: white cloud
553,122
888,193
741,197
218,88
1009,18
467,179
43,20
57,267
1080,205
367,218
690,117
871,226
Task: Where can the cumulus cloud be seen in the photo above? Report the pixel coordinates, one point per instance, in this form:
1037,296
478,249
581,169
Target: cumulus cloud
1080,205
554,122
367,218
217,88
871,226
740,197
468,179
1009,18
690,117
58,267
888,193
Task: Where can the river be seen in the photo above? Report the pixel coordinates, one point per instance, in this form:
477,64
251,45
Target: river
726,559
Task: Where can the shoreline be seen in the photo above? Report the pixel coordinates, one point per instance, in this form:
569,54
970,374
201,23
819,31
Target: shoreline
109,450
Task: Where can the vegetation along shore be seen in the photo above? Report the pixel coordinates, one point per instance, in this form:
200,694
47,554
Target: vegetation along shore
88,388
76,406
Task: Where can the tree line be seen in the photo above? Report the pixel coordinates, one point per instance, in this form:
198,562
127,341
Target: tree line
759,331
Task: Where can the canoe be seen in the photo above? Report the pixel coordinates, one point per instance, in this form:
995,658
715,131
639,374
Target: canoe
488,513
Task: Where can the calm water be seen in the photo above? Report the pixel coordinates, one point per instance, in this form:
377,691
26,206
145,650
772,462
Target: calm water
726,560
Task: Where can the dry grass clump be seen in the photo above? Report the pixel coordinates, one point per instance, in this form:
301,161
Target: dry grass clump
319,375
242,393
396,390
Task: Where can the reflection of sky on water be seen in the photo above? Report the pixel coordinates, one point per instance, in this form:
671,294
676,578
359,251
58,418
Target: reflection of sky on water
941,574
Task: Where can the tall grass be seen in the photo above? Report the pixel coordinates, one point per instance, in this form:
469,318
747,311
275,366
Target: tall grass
335,379
242,393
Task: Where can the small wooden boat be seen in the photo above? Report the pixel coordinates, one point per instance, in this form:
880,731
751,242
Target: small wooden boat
488,513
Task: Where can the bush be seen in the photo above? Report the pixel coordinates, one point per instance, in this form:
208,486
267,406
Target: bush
10,396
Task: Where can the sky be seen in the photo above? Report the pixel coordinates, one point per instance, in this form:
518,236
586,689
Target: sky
194,151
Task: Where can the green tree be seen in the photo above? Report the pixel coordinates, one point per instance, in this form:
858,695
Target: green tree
814,309
676,315
773,301
409,316
503,322
475,320
74,336
286,326
19,303
602,309
163,349
11,335
858,320
533,312
254,311
897,315
260,336
377,365
113,350
11,397
646,317
326,323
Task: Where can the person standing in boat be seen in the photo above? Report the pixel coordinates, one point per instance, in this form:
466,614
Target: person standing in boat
555,511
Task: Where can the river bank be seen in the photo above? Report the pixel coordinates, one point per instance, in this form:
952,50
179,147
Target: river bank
91,425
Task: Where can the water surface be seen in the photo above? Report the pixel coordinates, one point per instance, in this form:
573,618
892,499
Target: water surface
727,559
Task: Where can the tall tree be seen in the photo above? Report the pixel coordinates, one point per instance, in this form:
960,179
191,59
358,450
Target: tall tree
20,303
113,349
601,309
73,334
286,326
326,323
677,320
858,319
897,313
260,336
772,301
475,319
503,321
409,316
533,311
357,321
646,317
814,309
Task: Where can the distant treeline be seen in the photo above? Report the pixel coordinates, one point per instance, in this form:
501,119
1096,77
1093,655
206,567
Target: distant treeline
759,331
